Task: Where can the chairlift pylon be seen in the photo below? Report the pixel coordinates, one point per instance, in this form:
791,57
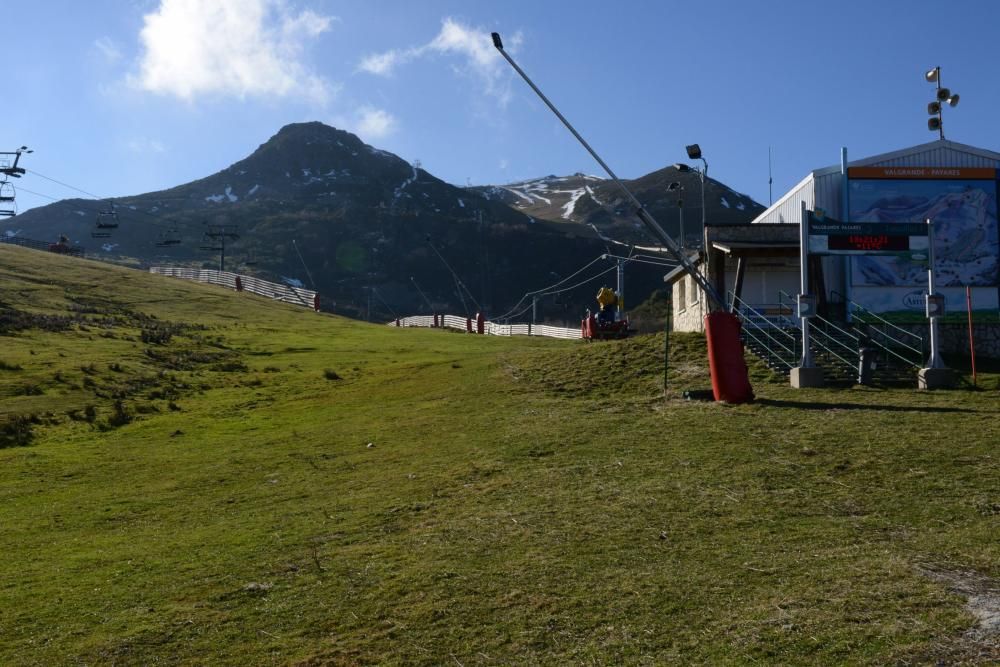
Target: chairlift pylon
7,196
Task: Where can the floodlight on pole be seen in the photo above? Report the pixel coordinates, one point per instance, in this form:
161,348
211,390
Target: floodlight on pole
942,95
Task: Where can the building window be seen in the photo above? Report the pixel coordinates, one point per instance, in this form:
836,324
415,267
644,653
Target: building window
682,294
694,291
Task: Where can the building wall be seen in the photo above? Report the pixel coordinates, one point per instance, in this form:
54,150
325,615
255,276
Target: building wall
688,304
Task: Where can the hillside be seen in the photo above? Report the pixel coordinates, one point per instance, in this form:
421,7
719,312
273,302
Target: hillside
359,217
599,204
190,475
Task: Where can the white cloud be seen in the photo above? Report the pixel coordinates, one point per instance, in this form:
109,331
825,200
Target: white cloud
229,47
375,123
108,49
504,163
146,145
473,46
383,64
368,122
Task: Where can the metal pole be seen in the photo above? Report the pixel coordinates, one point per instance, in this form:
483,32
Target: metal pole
621,285
534,309
972,341
704,218
651,224
666,337
807,361
680,215
935,360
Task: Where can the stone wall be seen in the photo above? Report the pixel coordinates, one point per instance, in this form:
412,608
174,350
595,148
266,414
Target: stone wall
955,338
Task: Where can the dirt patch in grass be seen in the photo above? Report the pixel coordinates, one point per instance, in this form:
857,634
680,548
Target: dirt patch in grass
982,599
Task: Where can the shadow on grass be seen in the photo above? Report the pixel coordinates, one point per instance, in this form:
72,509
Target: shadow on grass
815,405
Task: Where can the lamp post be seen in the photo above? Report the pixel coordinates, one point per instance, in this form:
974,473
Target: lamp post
694,153
944,95
679,189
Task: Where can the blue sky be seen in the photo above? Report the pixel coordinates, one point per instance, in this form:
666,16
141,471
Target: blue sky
120,97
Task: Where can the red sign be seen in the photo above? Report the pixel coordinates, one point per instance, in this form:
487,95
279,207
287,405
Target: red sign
869,242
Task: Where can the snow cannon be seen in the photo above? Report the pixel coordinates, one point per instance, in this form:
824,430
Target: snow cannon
609,322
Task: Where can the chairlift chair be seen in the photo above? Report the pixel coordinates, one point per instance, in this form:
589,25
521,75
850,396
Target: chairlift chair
169,238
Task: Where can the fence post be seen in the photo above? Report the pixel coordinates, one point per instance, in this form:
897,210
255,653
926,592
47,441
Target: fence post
480,323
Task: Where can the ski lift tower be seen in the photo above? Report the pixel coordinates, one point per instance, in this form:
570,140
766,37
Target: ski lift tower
215,241
10,170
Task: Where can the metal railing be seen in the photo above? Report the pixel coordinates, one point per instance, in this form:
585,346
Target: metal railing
828,338
903,345
770,336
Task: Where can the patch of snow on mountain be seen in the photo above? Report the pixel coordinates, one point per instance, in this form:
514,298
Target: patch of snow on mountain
287,175
571,204
521,195
155,209
108,247
341,144
724,202
592,195
11,233
217,199
252,190
230,195
399,191
461,203
306,173
81,213
294,282
741,206
133,208
598,232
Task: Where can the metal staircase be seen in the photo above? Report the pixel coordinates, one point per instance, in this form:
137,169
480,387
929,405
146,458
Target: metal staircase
774,334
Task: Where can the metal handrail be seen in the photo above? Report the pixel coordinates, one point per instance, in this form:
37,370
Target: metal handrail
824,340
764,337
881,320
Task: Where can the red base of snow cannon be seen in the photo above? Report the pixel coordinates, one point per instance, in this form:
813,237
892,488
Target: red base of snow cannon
730,379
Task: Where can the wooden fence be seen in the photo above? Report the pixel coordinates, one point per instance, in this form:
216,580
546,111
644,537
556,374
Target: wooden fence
489,328
236,281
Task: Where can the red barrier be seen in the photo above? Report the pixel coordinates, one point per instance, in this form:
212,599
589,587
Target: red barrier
397,322
468,325
239,284
730,380
435,319
316,303
480,323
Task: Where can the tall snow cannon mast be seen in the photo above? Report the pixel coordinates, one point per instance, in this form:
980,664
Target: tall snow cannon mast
730,380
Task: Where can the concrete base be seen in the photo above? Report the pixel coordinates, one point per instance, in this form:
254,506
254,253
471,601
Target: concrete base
935,378
807,377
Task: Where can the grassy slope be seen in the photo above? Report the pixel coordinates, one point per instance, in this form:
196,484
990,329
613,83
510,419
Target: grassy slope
509,511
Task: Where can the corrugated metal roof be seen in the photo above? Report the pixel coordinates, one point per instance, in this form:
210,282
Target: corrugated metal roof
823,186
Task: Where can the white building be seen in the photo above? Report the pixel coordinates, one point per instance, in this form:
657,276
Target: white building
954,184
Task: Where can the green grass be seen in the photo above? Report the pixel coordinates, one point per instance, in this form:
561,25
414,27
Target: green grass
522,501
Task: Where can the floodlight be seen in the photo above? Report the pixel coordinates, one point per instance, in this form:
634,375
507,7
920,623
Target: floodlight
932,75
943,94
934,108
934,124
681,167
953,100
694,151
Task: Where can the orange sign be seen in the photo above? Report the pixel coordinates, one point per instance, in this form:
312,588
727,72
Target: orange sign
936,173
